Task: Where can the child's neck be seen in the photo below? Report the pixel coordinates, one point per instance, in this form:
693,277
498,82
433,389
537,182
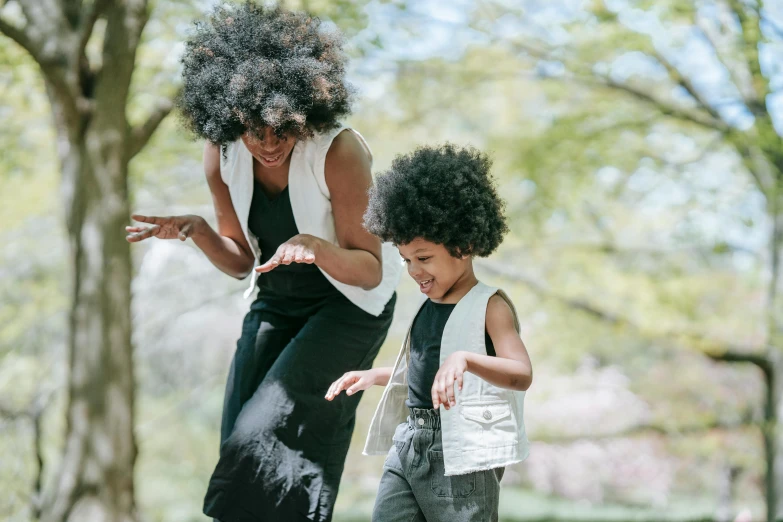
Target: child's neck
460,287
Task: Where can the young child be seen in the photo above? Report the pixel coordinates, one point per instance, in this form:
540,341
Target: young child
453,404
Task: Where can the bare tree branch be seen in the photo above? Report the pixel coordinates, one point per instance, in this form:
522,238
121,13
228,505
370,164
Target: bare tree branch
141,134
586,74
741,84
731,356
715,349
756,163
20,36
89,18
665,107
751,36
684,82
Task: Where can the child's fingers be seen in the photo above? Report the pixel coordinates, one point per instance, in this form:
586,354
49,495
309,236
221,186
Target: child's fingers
459,380
336,386
444,399
450,389
340,384
358,386
439,393
330,391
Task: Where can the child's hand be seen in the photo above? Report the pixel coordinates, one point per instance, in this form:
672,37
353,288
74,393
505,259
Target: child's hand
352,382
452,369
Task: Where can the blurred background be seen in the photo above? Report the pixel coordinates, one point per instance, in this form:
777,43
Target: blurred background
637,144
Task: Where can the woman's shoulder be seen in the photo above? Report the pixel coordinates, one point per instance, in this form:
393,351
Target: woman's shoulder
340,139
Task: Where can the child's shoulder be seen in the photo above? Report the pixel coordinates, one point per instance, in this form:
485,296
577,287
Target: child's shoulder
501,312
499,304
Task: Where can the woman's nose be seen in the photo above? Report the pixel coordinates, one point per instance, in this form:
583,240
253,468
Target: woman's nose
270,139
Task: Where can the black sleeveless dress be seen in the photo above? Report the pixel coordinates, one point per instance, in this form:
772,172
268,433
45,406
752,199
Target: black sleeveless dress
283,446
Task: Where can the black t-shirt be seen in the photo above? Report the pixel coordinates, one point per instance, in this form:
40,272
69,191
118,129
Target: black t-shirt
426,336
272,221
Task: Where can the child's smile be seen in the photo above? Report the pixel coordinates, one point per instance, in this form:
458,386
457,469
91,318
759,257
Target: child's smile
440,276
426,285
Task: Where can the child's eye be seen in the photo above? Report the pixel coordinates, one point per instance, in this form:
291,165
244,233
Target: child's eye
423,259
405,260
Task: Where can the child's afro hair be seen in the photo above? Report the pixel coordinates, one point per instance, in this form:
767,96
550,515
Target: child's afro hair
442,194
248,67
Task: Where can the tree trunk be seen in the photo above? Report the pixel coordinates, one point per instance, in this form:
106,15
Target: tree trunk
773,401
95,482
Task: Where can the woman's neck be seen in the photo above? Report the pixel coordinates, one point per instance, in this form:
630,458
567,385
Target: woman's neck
273,179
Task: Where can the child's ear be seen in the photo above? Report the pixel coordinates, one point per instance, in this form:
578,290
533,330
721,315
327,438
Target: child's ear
464,254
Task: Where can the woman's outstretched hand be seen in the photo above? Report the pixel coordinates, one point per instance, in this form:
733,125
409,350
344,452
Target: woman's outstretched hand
172,227
302,248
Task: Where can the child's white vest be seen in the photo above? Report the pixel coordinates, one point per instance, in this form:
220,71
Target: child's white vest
312,208
485,429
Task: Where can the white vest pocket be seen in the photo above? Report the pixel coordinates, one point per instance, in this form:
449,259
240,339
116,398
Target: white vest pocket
489,424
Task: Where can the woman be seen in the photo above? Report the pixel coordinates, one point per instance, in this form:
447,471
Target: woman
265,88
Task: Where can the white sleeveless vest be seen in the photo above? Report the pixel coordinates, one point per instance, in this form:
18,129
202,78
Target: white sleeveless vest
312,208
485,430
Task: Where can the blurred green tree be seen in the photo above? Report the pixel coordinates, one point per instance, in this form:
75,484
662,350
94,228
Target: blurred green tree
105,108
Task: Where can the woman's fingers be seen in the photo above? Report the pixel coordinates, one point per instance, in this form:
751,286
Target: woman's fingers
268,266
143,234
153,220
287,256
273,262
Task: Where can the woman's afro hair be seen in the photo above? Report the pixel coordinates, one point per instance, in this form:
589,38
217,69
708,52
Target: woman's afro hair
248,67
443,194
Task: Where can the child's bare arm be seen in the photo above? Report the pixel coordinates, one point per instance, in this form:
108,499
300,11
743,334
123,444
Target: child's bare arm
511,368
353,382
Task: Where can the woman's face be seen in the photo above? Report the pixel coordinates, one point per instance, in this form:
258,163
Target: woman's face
269,150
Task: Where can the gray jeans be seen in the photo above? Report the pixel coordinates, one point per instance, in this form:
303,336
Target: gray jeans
413,485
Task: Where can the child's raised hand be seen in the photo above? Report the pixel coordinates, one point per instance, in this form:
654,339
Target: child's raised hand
450,372
352,382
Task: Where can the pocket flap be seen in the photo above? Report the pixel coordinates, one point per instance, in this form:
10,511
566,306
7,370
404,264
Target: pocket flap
486,413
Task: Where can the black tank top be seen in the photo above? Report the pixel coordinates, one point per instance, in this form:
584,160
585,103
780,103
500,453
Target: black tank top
272,222
426,335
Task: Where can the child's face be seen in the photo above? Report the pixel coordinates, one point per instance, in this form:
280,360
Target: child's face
432,267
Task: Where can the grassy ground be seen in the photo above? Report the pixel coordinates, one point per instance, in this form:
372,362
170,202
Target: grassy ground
518,505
